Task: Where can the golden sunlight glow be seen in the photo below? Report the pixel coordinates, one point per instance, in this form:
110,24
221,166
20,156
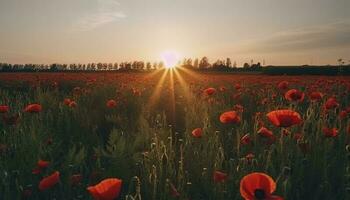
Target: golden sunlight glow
170,58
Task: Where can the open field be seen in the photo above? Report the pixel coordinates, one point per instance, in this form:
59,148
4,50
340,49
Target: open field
174,134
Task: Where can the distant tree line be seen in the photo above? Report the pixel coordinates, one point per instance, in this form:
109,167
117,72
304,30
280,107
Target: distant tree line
203,64
196,64
123,66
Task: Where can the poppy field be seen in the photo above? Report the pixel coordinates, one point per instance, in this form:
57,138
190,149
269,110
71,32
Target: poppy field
174,134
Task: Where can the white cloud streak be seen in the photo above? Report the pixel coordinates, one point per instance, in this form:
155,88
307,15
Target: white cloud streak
108,11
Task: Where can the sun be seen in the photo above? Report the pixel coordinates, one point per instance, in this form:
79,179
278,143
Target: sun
170,58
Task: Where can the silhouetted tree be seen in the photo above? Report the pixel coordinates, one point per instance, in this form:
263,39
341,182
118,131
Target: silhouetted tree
246,65
204,63
228,62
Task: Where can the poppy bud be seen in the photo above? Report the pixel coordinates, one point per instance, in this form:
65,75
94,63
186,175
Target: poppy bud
153,145
347,147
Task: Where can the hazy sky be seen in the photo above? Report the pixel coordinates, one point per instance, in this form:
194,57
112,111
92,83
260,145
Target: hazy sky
279,31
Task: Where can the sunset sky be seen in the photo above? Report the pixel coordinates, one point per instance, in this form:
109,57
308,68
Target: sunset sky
281,32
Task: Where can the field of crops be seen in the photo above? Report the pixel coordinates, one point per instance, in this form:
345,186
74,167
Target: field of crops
174,134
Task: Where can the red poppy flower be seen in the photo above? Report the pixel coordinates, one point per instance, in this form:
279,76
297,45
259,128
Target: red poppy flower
49,141
298,136
4,109
222,89
294,95
72,104
229,117
284,118
330,132
239,108
43,164
283,85
49,181
246,139
343,114
209,91
331,103
36,171
347,109
316,96
197,133
67,101
111,103
173,191
33,108
249,157
238,86
258,186
219,177
107,189
265,132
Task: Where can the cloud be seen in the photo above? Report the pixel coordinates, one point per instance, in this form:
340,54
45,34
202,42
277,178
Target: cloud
328,36
107,12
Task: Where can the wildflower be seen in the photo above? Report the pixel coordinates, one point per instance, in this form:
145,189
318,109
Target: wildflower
197,133
107,189
264,132
49,181
173,191
284,118
229,117
245,139
283,85
343,114
72,104
222,89
43,164
209,91
298,136
267,134
294,95
67,101
316,96
40,166
239,108
330,132
219,177
33,108
249,157
4,109
258,186
238,86
331,103
111,103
